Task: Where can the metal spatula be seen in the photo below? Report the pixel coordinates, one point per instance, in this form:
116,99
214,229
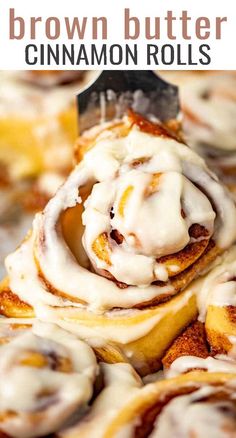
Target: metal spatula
114,91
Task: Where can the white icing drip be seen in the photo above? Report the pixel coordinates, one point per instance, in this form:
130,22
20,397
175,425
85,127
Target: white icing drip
221,363
73,321
225,206
113,332
160,272
224,294
8,330
145,218
24,278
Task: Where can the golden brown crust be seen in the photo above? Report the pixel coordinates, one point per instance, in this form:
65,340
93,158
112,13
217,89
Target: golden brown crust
231,311
185,277
209,339
11,305
192,342
188,255
219,342
181,281
160,130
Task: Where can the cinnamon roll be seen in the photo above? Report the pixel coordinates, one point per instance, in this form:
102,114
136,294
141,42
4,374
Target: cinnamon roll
208,102
112,253
217,303
191,351
120,384
38,122
47,376
50,383
192,342
193,405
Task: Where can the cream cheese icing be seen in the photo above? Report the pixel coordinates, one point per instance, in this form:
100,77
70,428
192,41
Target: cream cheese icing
121,384
158,233
190,415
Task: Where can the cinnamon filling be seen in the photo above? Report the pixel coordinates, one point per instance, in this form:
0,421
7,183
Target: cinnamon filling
49,360
149,417
192,342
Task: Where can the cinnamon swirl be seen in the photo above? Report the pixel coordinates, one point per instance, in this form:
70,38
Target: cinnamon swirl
194,405
47,375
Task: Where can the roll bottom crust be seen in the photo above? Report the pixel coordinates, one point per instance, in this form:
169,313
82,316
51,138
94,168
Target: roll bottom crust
11,305
144,353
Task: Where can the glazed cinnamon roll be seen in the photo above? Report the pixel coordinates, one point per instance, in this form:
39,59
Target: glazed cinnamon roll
112,253
120,384
208,103
47,375
194,405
